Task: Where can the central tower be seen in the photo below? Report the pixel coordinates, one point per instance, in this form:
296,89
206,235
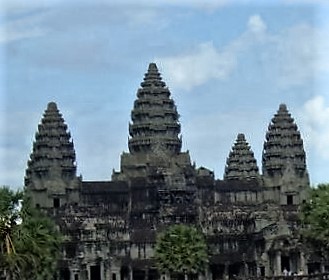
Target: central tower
155,142
155,127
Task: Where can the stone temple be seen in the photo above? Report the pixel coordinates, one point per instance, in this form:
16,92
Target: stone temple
250,218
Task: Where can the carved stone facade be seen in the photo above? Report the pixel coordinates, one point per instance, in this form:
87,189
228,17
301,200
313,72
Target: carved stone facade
250,219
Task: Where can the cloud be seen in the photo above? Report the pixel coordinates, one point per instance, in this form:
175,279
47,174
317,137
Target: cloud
296,56
197,67
206,62
315,116
19,6
22,28
256,24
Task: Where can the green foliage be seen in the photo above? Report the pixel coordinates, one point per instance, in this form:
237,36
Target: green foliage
315,215
181,249
29,241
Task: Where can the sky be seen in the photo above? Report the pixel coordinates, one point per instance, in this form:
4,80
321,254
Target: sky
228,65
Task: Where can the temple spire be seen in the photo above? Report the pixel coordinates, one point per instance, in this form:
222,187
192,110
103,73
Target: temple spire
283,145
53,155
241,163
155,127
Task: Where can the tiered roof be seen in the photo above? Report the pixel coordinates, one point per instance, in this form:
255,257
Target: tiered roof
155,126
241,163
53,154
283,145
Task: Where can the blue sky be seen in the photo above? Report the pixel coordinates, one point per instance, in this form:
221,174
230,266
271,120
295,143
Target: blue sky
228,64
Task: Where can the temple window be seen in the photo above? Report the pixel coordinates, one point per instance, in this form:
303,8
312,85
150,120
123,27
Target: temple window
95,272
56,202
290,199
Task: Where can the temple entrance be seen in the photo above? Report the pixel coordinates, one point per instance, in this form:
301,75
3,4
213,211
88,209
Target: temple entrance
138,274
285,263
64,274
252,269
95,272
217,271
262,271
153,274
313,268
234,270
290,199
124,273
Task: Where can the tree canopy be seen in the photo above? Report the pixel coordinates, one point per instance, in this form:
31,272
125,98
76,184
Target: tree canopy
29,241
181,249
315,215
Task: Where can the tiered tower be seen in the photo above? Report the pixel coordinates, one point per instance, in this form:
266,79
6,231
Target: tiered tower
284,161
51,169
155,142
155,127
155,155
241,163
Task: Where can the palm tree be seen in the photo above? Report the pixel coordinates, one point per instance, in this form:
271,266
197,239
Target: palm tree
29,241
181,250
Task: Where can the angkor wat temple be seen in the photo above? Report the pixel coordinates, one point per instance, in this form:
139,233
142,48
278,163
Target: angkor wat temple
250,218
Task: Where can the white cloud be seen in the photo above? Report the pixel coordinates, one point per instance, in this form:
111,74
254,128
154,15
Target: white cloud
315,116
208,5
256,24
206,62
197,67
21,6
296,56
22,28
292,57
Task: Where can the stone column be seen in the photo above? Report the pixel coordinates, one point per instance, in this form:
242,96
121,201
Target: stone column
246,269
207,274
88,272
165,276
83,273
108,273
146,276
322,267
130,277
117,275
278,268
266,263
102,272
226,272
302,265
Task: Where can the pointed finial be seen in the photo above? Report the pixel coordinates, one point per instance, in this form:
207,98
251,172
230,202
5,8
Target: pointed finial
153,67
52,106
241,137
283,107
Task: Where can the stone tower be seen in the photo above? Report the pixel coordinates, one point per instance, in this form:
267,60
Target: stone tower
284,160
155,127
155,142
155,156
241,163
51,170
